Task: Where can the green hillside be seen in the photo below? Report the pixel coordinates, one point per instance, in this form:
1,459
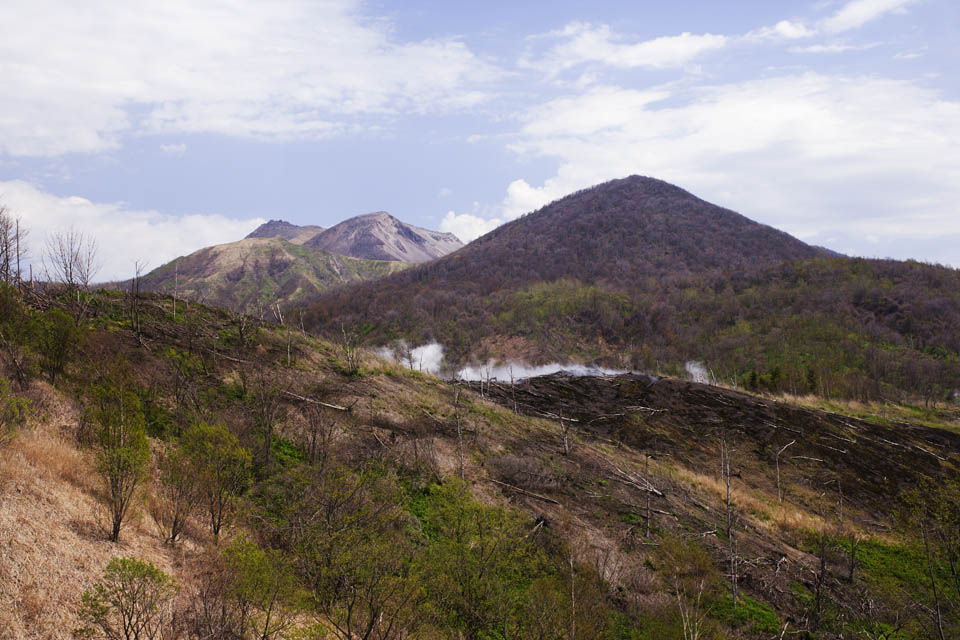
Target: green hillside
256,273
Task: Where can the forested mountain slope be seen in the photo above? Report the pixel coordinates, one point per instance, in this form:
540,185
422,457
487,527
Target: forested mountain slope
637,273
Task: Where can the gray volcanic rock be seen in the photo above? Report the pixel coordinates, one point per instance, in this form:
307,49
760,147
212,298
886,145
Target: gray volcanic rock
380,236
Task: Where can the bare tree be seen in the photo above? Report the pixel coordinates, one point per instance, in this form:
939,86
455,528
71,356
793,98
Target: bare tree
646,473
321,432
734,555
72,258
72,262
565,430
136,302
822,559
779,492
266,408
13,246
350,348
692,615
456,412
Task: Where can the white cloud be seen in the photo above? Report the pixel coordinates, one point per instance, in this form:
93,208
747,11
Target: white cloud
833,48
813,154
124,235
79,76
584,43
174,149
857,13
468,227
911,55
783,30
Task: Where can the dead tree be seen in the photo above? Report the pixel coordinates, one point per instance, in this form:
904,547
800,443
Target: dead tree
350,347
565,430
646,473
513,390
136,302
779,492
852,537
72,262
176,287
732,543
13,247
573,598
725,479
456,413
933,581
266,405
822,560
321,432
692,616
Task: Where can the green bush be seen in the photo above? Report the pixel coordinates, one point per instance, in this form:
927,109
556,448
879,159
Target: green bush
58,340
223,469
123,450
13,412
132,601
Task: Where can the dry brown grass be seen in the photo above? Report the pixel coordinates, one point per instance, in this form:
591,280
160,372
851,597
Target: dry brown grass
51,546
762,510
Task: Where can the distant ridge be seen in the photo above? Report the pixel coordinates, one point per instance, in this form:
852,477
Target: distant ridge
380,236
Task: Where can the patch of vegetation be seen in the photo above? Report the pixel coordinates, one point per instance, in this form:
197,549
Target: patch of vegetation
752,614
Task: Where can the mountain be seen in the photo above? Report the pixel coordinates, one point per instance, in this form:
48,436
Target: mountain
380,236
640,274
285,231
261,271
614,234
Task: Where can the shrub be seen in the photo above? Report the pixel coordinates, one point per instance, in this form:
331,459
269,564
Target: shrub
59,338
13,412
223,469
131,602
178,493
122,448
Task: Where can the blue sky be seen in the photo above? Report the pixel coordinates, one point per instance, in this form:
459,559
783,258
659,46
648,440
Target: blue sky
160,128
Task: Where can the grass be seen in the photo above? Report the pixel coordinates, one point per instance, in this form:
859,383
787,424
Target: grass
939,415
52,543
748,613
897,565
765,513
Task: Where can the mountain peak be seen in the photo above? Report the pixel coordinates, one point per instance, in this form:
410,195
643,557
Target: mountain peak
381,236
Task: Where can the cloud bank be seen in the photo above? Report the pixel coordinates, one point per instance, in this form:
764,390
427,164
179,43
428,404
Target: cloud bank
79,76
123,235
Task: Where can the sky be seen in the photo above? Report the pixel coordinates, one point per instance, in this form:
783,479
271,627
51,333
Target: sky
158,128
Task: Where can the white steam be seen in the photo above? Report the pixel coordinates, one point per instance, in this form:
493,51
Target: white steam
519,371
427,357
698,372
